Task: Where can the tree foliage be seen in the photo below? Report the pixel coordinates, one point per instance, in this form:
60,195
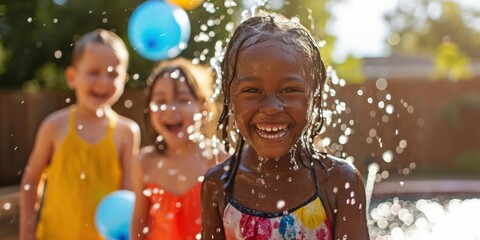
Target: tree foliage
441,29
420,26
37,36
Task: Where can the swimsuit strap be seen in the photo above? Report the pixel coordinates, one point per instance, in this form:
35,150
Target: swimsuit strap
72,119
315,176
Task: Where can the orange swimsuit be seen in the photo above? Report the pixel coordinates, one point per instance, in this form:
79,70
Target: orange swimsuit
174,217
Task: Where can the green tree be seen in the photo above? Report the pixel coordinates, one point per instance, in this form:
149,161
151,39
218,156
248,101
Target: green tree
420,26
451,64
38,36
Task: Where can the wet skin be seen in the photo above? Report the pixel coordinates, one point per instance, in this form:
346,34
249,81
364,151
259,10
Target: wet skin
172,109
270,101
99,77
270,97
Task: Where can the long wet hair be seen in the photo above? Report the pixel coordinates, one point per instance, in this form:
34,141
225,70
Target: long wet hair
267,27
199,80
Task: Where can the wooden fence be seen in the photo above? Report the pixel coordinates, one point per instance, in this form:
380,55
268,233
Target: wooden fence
408,128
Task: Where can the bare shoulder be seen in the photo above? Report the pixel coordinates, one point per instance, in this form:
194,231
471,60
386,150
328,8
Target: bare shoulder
127,125
57,123
213,180
342,169
59,117
146,152
148,158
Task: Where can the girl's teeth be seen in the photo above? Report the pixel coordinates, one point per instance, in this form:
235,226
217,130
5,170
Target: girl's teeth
271,129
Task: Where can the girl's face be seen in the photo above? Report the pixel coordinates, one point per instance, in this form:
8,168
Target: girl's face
172,110
269,96
98,77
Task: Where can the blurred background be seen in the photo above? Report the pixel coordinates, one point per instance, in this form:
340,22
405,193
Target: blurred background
403,103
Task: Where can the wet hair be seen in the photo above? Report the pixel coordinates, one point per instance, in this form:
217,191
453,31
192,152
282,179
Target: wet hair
100,36
274,27
199,80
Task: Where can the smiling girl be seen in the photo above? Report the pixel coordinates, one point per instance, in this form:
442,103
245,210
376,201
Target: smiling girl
180,118
277,185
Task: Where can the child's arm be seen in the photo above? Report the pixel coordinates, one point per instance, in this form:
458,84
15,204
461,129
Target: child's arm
39,158
212,203
140,214
130,146
351,216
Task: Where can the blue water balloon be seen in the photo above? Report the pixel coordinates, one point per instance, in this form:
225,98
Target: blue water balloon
158,30
113,215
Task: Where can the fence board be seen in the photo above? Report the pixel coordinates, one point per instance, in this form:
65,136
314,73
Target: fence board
433,143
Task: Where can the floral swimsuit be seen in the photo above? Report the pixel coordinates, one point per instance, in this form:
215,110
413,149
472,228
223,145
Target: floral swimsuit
308,221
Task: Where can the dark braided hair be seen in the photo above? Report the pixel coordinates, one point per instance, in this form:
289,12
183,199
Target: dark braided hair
261,28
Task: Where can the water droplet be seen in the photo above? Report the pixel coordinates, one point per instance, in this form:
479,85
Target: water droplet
58,54
261,181
347,185
100,113
172,172
389,109
182,178
128,104
7,206
163,107
26,187
381,84
387,156
280,204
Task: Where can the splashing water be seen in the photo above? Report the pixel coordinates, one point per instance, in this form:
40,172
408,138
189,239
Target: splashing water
424,219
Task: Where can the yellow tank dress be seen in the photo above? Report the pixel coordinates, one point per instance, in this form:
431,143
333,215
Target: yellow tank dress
78,177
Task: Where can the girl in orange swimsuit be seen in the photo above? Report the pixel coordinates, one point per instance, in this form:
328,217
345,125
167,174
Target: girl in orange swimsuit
181,118
277,184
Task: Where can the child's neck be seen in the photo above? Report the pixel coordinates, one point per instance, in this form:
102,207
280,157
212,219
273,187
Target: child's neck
186,149
92,126
93,114
290,162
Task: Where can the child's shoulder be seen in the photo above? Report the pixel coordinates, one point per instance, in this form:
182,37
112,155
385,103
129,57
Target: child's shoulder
147,153
127,124
149,157
58,119
215,174
340,167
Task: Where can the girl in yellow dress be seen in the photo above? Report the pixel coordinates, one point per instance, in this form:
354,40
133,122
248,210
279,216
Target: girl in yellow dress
85,150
